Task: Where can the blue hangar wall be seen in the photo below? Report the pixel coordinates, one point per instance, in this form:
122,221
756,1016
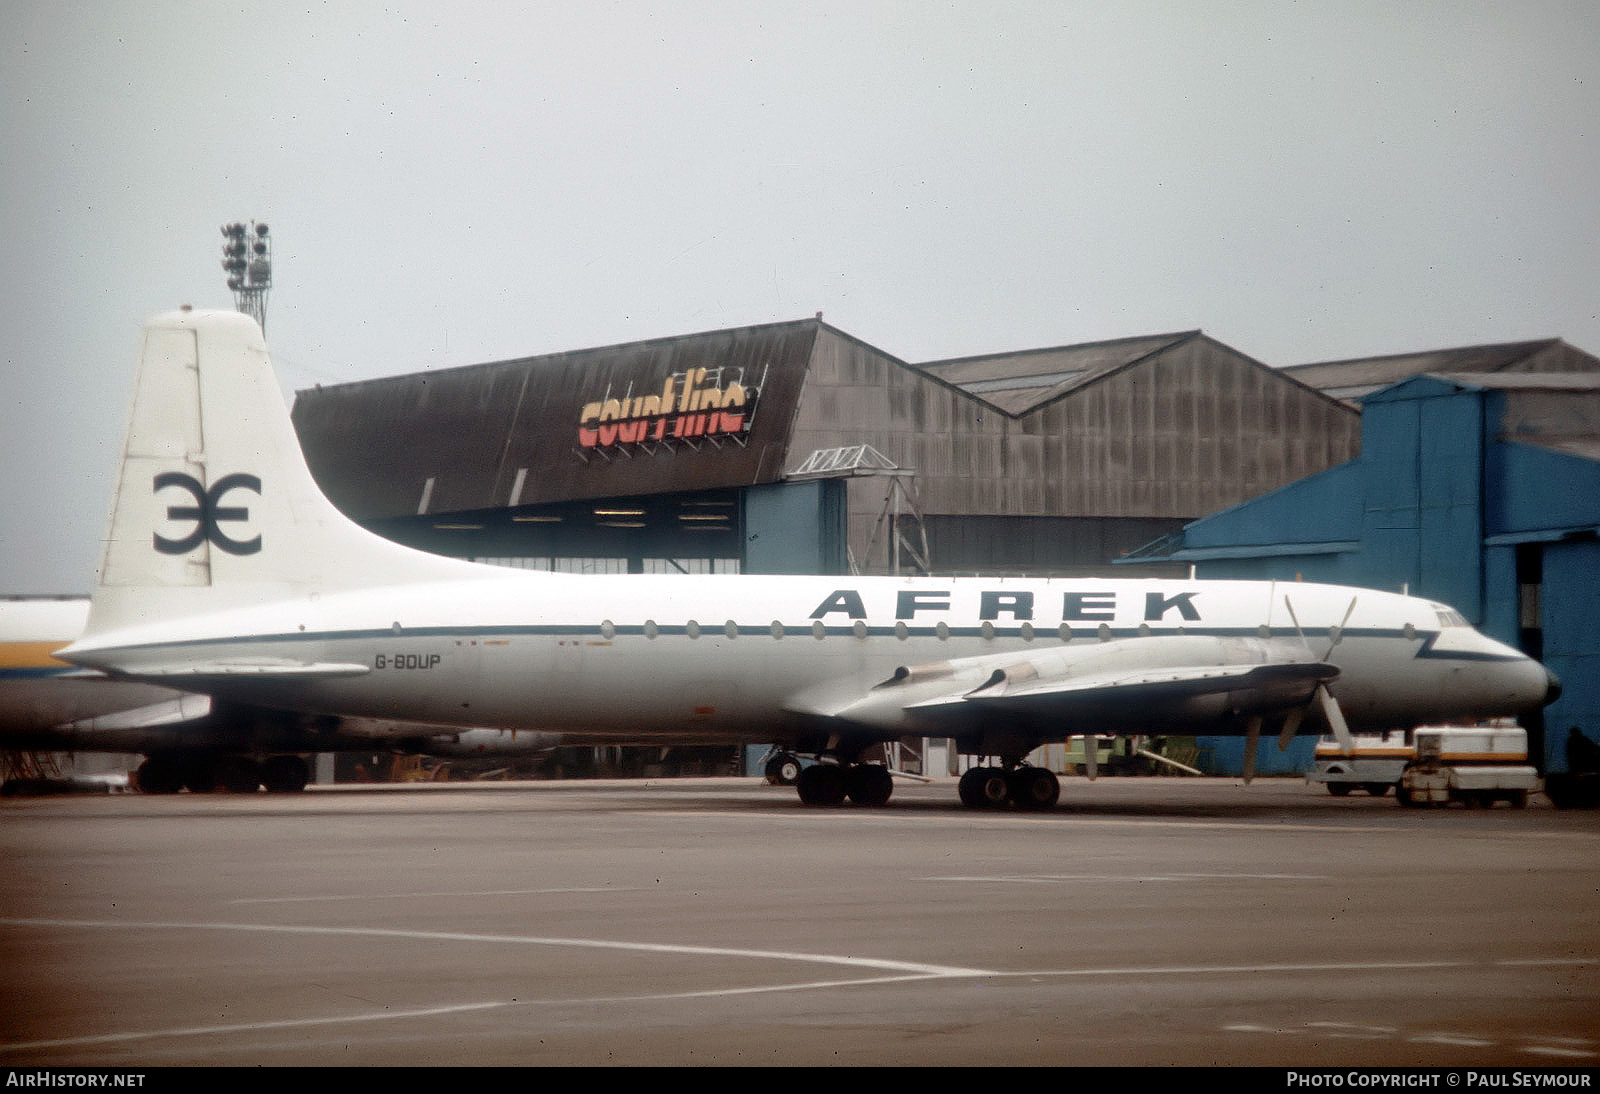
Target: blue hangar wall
1480,492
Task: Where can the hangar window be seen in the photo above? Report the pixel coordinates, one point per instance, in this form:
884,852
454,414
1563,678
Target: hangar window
688,566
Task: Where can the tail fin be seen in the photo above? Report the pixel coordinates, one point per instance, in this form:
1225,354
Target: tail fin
215,508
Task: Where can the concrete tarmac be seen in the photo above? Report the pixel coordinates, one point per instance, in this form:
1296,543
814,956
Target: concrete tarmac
720,922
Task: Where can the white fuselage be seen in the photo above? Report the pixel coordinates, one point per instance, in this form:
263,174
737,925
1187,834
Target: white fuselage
731,658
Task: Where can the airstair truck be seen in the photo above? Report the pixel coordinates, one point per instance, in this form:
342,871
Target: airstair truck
1473,765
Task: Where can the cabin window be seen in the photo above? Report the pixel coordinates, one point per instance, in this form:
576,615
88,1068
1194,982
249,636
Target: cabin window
777,629
692,629
650,628
731,629
818,631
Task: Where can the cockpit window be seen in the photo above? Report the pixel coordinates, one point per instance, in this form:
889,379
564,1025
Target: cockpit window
1449,617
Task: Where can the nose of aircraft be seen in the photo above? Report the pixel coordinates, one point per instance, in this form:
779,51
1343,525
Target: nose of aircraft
1552,687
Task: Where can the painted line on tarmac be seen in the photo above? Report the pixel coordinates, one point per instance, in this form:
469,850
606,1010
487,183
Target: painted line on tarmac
913,967
1332,966
330,897
1045,879
903,971
441,1011
1001,818
1534,1044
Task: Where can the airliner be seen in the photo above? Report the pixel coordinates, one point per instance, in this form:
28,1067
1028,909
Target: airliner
226,572
187,740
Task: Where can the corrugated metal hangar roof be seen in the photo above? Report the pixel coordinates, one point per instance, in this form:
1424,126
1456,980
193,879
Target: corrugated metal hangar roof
712,410
1020,383
1160,427
1352,379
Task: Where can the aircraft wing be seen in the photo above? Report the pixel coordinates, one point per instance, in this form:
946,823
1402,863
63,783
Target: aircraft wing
1264,686
1195,684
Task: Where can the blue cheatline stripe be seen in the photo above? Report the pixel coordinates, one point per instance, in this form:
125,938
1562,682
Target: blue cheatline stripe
1043,634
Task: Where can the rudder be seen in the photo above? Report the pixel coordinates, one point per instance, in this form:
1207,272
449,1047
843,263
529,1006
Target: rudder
214,506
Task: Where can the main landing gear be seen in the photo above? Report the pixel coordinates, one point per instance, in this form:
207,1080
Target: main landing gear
830,781
168,773
827,783
997,787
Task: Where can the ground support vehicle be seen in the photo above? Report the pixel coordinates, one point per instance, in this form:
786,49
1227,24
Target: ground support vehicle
1475,766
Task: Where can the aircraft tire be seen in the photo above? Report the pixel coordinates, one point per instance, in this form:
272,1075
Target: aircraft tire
1377,790
783,769
199,774
984,788
1340,790
869,784
238,774
158,775
821,784
1034,788
285,775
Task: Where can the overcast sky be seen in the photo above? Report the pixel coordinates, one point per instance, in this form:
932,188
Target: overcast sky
450,184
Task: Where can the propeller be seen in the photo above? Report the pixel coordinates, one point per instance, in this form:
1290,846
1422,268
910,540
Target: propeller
1335,634
1336,722
1323,697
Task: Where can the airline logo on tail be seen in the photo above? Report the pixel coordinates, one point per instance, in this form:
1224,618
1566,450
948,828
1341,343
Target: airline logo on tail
208,513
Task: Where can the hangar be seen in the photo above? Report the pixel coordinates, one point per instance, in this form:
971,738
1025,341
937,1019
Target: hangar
1478,484
794,447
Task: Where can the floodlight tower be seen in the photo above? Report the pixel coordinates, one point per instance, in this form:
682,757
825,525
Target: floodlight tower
247,260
